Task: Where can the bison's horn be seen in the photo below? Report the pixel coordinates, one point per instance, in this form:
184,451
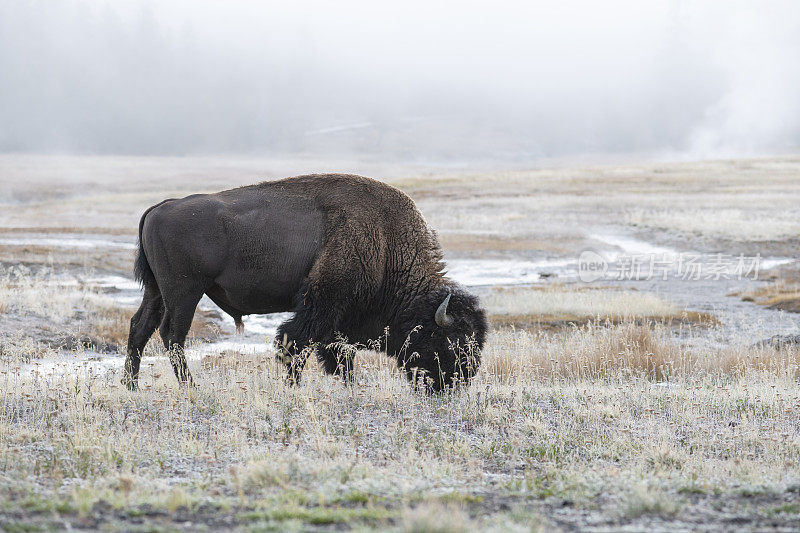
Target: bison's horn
441,314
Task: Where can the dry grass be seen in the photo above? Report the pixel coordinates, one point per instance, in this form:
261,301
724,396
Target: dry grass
74,307
562,205
613,424
783,291
576,301
732,224
113,260
556,306
21,348
58,230
26,292
619,351
111,324
621,421
582,417
555,205
783,294
588,352
620,415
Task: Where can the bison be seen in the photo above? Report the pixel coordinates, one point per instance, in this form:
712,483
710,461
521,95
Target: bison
351,257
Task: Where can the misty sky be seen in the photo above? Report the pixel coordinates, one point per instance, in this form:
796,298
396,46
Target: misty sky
412,80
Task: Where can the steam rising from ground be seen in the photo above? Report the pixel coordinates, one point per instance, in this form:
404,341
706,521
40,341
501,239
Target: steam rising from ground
415,81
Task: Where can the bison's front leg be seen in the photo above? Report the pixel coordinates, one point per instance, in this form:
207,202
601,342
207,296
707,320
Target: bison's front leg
292,355
337,358
302,334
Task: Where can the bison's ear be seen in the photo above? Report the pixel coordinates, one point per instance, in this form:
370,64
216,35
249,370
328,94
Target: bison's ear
442,320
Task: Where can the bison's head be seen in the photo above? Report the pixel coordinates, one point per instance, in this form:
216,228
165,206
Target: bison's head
444,346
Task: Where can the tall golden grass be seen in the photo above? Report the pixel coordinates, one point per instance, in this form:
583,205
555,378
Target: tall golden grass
618,350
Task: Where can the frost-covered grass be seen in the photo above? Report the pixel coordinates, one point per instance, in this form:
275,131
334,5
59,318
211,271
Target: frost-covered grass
557,306
576,303
610,425
64,304
741,201
519,209
40,293
732,224
620,422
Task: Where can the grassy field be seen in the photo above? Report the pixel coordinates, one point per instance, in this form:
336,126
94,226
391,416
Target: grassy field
590,411
558,306
593,426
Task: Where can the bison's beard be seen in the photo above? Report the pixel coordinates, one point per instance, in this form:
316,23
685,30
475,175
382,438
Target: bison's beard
441,364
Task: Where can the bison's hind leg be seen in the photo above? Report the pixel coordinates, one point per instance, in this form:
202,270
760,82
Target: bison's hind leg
180,312
163,330
143,324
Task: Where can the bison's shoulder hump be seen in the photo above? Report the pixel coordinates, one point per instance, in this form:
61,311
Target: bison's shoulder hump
332,182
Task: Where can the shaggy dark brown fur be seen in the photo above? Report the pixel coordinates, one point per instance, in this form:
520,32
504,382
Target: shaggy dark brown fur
350,256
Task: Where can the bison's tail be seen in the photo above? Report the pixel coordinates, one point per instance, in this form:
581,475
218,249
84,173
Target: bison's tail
141,268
